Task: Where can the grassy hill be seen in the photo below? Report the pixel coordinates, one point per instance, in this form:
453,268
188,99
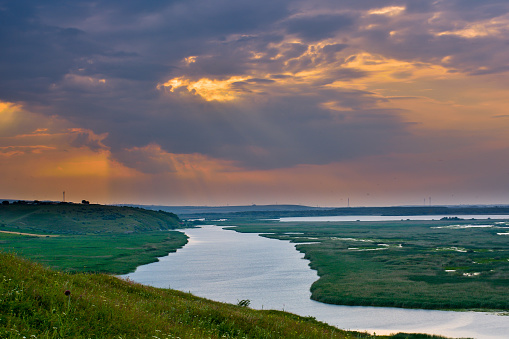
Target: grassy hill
34,304
83,219
88,238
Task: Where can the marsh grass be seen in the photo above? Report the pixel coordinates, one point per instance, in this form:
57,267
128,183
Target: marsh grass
33,304
413,270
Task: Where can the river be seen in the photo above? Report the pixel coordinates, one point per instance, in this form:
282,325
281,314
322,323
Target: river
228,266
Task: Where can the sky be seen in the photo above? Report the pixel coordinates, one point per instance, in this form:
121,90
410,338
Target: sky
234,102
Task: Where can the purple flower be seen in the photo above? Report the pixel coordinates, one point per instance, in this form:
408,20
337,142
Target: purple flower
67,292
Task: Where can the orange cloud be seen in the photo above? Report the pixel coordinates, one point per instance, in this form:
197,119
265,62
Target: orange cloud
208,89
493,27
389,11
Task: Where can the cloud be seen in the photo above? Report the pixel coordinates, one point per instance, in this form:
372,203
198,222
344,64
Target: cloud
319,27
255,85
150,159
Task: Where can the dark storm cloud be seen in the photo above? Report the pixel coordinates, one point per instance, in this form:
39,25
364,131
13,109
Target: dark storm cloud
148,160
84,139
319,27
281,134
472,10
98,65
34,55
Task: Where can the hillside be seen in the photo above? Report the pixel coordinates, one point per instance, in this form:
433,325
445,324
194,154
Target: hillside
88,238
83,219
36,302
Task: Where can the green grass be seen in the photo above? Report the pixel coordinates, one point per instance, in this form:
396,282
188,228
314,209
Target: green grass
33,305
401,263
112,253
89,238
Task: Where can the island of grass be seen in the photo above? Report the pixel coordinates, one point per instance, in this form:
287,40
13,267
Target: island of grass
88,238
439,264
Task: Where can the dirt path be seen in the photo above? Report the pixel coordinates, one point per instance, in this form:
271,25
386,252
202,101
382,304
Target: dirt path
30,234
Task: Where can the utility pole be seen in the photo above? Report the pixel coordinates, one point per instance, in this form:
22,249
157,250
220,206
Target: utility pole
63,200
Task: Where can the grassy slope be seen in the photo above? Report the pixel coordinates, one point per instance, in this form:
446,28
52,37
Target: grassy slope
89,238
403,263
83,219
33,305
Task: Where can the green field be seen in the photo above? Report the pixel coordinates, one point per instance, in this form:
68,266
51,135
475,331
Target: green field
450,264
89,238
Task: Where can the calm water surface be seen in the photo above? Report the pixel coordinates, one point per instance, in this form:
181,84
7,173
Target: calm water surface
228,266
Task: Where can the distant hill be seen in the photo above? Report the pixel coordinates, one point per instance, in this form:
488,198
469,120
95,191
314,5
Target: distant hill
52,218
187,211
279,211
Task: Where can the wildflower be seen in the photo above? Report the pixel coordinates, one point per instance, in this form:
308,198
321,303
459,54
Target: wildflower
67,292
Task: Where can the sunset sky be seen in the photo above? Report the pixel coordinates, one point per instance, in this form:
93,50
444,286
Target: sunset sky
201,102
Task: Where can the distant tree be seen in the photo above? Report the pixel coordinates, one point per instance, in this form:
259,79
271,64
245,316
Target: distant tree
5,202
85,202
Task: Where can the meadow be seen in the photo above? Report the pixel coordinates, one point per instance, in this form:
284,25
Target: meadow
442,264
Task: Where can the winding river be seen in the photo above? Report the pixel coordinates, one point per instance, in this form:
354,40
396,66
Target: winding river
228,266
